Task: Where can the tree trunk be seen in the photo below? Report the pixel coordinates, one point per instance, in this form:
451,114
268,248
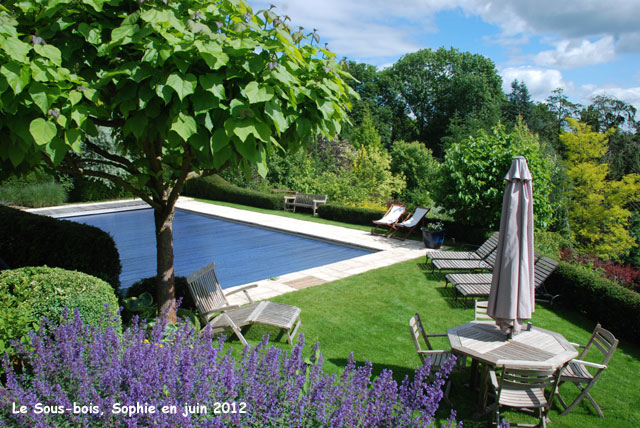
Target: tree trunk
164,249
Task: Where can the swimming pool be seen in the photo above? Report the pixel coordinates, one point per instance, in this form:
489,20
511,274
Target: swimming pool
242,253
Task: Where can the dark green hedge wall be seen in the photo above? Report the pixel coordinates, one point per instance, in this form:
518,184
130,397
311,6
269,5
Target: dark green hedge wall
28,239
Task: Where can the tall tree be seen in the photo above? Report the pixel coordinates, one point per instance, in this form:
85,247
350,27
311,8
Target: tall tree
518,103
598,218
438,86
194,87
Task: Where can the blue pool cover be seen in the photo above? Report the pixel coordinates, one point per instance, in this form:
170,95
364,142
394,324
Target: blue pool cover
242,253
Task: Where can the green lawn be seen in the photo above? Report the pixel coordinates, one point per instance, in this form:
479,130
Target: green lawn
368,315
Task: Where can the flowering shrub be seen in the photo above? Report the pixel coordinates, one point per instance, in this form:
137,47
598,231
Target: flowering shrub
83,376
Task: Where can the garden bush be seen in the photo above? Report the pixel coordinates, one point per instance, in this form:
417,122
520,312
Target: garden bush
601,300
85,190
30,293
353,215
266,388
33,240
33,195
217,189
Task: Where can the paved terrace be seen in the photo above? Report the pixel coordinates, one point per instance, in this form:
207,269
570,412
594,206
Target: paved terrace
388,251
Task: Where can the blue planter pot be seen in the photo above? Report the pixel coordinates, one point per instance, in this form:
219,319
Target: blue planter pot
433,238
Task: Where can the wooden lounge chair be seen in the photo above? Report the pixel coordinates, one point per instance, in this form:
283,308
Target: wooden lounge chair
215,309
390,218
483,251
409,224
525,389
577,371
479,284
465,265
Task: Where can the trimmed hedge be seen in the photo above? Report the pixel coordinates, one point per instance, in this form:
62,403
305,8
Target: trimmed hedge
601,300
218,189
30,293
353,215
33,240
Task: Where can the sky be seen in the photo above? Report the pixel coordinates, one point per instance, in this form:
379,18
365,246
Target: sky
585,47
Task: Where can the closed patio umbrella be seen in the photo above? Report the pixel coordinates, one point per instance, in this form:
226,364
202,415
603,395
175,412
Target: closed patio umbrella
511,300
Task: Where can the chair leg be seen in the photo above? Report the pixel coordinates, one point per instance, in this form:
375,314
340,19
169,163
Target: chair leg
235,329
584,392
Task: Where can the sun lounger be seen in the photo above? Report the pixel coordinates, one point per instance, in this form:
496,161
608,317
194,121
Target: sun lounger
391,217
215,309
409,224
483,251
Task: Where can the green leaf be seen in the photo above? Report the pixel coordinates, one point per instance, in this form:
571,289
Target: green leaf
136,124
303,128
16,48
219,140
16,154
185,126
75,97
17,77
73,138
51,52
258,94
38,93
42,131
91,35
213,83
274,111
183,86
123,33
248,149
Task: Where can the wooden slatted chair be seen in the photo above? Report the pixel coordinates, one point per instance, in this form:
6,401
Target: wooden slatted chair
577,371
480,311
436,357
479,284
215,309
465,265
391,217
483,251
409,224
525,389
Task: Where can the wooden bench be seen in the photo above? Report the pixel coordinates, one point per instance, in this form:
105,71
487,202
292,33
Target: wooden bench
305,200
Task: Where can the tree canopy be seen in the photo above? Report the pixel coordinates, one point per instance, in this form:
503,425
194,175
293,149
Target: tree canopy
192,87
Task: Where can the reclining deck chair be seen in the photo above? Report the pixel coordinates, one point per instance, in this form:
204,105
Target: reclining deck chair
210,300
390,218
483,251
465,265
577,373
479,284
409,224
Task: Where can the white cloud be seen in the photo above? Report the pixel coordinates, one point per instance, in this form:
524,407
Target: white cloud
540,82
577,53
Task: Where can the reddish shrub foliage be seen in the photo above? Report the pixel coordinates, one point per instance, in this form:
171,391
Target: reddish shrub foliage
626,275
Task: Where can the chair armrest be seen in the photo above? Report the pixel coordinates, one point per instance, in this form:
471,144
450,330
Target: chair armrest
210,314
493,379
577,345
437,335
244,290
590,364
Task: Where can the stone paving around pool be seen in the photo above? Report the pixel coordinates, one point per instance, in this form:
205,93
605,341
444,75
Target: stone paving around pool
388,251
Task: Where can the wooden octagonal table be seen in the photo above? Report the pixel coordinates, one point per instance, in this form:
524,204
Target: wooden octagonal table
485,343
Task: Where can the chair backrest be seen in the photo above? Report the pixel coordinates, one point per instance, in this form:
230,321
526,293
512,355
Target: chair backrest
480,311
417,331
528,379
416,217
393,213
604,341
205,289
491,258
543,268
488,246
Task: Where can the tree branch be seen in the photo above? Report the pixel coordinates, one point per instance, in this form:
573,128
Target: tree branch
115,123
126,163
